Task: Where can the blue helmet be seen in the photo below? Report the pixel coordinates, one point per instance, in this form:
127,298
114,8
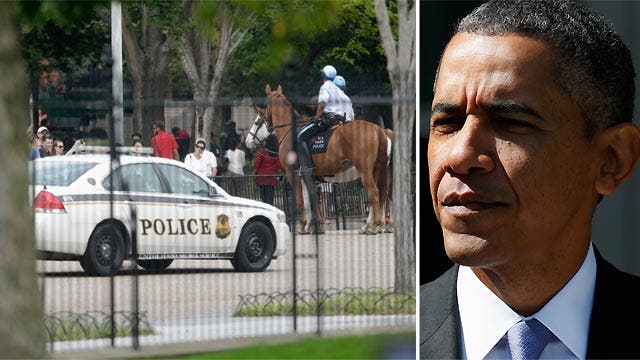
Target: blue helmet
339,81
329,72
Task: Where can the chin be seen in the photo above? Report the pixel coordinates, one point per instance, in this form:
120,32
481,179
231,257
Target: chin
468,250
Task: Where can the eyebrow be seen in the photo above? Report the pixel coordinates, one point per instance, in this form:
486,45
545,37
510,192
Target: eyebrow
496,107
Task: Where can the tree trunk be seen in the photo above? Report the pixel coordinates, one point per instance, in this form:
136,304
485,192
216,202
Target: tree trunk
401,68
22,326
197,52
148,55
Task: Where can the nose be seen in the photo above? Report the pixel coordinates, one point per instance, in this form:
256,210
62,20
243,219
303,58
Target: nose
471,149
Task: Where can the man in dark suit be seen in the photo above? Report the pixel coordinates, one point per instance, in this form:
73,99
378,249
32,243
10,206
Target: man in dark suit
530,128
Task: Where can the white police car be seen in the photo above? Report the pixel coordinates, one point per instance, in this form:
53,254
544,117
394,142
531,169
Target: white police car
159,206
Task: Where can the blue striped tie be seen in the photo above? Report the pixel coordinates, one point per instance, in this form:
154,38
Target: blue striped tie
527,339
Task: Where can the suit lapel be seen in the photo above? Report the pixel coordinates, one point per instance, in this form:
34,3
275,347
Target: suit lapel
615,314
439,318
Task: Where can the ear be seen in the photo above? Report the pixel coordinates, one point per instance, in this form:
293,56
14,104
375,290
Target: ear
279,90
267,89
621,144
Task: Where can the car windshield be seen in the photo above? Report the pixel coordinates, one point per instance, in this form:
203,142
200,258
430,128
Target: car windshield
57,173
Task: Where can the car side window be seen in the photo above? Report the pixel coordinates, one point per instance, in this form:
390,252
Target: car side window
134,178
183,181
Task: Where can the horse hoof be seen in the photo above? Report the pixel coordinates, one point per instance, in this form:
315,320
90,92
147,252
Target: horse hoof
370,230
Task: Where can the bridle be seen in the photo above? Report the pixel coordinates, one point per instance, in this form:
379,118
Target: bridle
265,119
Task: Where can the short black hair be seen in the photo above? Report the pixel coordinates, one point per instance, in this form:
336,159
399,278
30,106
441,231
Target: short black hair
271,143
593,64
136,135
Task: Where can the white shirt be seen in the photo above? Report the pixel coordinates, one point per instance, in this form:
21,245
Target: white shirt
204,165
236,161
330,95
485,318
346,106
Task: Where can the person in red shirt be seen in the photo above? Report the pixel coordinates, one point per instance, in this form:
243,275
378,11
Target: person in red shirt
164,144
267,163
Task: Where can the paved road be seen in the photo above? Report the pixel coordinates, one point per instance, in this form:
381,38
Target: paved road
210,288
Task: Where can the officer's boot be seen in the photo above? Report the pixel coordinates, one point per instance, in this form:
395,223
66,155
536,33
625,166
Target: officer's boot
304,158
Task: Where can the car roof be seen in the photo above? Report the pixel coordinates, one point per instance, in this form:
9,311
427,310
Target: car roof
100,158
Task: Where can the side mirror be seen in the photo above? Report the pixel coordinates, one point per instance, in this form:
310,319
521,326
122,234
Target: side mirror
212,191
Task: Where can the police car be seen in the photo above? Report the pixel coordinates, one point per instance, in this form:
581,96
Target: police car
99,212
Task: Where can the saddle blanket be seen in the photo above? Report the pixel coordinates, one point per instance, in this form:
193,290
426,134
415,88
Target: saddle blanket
318,144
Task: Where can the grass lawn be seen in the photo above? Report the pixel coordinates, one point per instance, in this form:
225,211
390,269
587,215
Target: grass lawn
378,346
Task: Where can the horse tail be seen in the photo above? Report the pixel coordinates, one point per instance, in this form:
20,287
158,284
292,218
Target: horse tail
389,135
382,167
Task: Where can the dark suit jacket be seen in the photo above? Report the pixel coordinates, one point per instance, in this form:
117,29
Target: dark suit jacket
614,331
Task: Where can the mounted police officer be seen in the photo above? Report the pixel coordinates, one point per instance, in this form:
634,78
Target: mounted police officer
345,102
329,111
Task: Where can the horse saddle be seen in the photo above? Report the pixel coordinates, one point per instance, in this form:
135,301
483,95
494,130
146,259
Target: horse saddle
319,142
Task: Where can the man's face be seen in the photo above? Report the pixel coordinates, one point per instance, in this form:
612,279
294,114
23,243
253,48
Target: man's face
48,143
511,171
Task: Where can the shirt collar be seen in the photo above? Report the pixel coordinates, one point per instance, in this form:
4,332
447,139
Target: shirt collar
485,318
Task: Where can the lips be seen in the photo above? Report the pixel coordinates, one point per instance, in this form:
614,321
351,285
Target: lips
469,203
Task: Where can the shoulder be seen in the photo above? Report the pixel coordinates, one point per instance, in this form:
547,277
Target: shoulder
615,306
439,322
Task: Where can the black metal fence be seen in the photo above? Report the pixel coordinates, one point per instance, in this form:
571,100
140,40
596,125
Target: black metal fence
338,202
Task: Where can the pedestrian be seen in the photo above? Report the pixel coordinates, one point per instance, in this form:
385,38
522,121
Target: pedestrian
34,150
163,144
228,135
58,147
47,145
267,167
530,128
136,136
202,160
183,139
236,165
213,145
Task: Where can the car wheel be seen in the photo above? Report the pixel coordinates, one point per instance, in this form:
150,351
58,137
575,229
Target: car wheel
105,252
83,264
255,248
155,264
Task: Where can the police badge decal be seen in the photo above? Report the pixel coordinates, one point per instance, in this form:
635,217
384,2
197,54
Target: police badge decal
223,228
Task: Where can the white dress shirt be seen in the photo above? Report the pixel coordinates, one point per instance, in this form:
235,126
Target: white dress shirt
330,95
486,319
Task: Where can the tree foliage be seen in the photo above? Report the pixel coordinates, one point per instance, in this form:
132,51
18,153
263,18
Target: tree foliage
290,44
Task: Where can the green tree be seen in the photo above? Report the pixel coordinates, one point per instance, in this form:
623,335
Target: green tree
343,34
59,40
215,30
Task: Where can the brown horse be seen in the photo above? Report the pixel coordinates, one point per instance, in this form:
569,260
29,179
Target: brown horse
357,144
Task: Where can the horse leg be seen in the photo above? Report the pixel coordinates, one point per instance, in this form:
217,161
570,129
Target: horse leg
308,209
302,216
315,224
372,225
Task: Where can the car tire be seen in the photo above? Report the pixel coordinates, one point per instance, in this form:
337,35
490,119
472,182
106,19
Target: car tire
105,251
83,264
155,265
255,248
